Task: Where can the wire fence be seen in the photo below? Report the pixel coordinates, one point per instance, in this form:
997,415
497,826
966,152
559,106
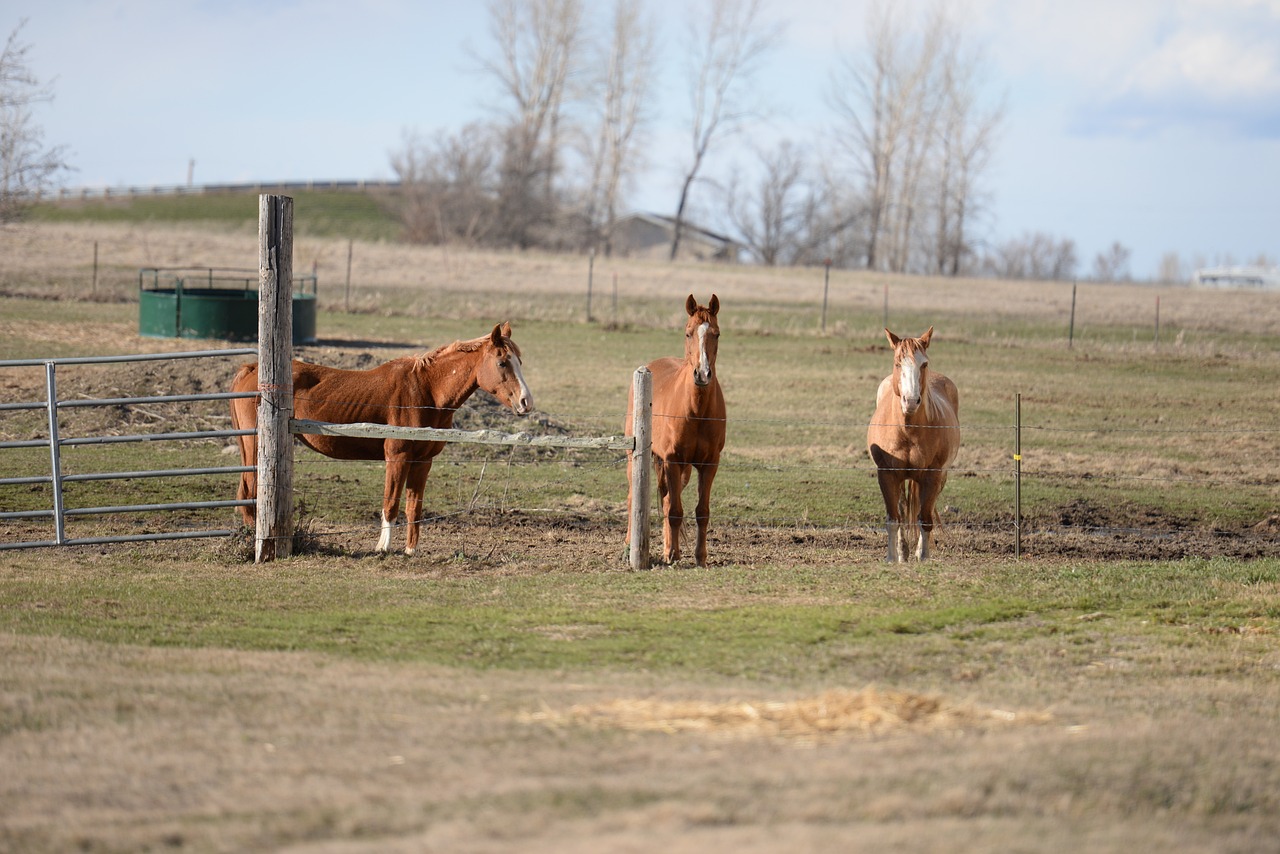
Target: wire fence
793,493
827,484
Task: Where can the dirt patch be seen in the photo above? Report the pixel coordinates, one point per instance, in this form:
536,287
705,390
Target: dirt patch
517,542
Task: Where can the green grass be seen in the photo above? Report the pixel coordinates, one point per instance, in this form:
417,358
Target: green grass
771,622
317,213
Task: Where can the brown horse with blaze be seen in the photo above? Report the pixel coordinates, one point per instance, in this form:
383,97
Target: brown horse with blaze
688,426
412,391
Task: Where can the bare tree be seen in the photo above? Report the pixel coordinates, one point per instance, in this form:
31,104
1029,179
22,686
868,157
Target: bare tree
1112,264
834,232
965,145
1171,270
27,166
865,94
766,217
623,90
448,186
537,43
920,95
1063,261
725,49
780,218
1036,256
909,123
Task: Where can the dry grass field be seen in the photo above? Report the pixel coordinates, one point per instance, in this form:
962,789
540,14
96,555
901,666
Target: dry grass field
514,688
58,260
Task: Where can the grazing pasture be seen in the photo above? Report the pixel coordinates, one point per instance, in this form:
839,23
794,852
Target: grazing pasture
513,687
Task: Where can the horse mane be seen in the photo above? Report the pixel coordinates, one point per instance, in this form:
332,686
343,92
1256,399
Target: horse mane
422,361
704,315
937,407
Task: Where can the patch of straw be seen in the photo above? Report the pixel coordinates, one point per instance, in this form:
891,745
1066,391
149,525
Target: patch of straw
867,713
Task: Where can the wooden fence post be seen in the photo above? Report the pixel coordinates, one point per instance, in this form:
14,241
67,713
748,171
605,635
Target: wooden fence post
641,466
274,534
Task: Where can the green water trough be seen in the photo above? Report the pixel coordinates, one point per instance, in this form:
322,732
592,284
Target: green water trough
212,302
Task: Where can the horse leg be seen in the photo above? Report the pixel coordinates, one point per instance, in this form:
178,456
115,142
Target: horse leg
397,472
909,519
247,490
929,490
706,474
415,486
671,480
891,492
662,488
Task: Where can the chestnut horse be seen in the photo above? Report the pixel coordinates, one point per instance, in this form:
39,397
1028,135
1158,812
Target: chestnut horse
688,426
913,438
412,391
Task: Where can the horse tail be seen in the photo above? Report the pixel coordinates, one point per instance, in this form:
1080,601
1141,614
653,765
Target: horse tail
240,383
248,487
909,511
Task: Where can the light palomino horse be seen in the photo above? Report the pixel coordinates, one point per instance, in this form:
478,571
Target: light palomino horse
412,391
913,439
688,427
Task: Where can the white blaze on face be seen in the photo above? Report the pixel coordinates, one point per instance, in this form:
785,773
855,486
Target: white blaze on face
909,381
702,376
525,403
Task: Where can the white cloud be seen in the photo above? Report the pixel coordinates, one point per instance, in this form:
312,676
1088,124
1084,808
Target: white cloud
1210,61
1143,65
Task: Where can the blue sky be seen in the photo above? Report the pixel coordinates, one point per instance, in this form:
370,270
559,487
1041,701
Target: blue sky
1152,122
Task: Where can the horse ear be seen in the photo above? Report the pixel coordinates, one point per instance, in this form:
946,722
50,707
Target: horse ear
924,339
893,339
691,305
714,305
506,329
495,337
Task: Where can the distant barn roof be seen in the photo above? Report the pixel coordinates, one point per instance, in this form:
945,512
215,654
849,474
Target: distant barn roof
650,234
1237,277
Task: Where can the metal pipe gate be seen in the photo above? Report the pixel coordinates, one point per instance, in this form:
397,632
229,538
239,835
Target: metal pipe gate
55,443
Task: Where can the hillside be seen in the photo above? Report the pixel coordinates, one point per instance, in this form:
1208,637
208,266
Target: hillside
354,213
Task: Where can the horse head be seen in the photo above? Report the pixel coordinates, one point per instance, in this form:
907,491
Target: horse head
910,369
500,372
702,339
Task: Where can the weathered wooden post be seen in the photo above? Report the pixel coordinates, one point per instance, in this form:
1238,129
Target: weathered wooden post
274,535
641,466
1071,327
591,271
350,243
826,285
1017,476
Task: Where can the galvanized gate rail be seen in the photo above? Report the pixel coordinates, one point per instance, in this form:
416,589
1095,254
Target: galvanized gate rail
55,443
